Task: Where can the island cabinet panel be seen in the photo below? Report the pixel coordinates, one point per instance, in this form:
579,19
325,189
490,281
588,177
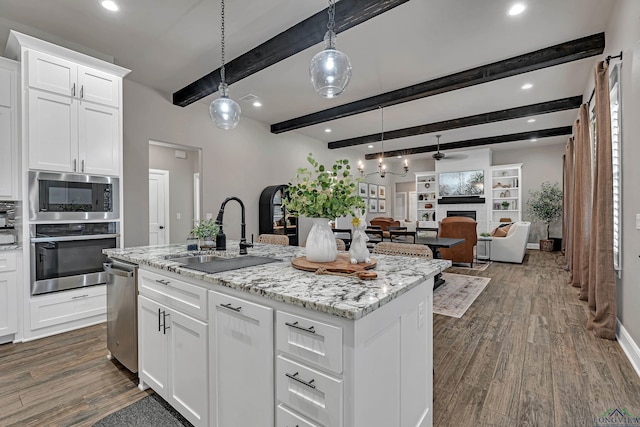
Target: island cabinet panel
286,418
175,293
152,345
241,357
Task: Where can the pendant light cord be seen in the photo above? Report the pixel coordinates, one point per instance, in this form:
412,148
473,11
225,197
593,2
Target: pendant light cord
222,76
331,10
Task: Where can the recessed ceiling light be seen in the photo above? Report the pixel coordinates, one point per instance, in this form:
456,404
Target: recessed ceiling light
526,86
399,157
257,103
369,146
531,120
110,5
533,139
517,9
328,130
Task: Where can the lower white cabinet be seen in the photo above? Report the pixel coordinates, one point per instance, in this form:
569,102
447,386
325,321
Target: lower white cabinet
8,294
61,311
241,362
173,358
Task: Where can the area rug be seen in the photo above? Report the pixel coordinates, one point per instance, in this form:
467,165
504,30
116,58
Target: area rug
149,411
457,294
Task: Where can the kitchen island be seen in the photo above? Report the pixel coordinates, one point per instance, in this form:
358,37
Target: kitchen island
295,347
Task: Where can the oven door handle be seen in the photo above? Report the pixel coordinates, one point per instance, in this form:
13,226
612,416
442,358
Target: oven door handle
116,272
72,238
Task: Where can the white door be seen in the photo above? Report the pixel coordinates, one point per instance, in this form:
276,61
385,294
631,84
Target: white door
158,207
400,208
413,206
99,139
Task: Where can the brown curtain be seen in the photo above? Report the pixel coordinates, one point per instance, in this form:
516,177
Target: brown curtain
602,284
567,202
581,222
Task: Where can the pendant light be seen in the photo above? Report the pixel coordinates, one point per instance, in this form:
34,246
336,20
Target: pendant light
382,168
330,70
224,111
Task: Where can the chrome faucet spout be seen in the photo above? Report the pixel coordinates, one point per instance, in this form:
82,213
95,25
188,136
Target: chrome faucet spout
221,239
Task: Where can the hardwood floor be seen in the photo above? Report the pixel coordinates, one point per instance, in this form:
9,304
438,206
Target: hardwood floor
520,356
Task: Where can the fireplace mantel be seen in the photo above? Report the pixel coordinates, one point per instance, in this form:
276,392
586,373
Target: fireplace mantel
461,200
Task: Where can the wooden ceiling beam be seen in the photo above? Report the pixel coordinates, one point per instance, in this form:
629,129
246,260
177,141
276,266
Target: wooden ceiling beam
548,57
301,36
475,120
522,136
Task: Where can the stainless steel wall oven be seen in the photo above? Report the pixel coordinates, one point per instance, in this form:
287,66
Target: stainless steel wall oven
68,197
69,255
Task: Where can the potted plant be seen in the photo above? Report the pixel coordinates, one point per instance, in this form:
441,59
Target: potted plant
545,205
206,231
505,205
323,194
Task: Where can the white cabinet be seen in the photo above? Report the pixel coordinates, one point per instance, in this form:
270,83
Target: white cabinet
72,118
241,348
506,194
427,195
8,131
8,294
173,348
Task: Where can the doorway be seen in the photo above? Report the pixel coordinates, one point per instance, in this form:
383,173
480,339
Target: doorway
159,224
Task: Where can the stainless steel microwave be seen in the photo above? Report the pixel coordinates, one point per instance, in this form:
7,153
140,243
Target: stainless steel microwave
66,196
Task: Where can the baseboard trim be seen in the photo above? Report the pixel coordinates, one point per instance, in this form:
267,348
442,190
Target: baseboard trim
629,347
533,246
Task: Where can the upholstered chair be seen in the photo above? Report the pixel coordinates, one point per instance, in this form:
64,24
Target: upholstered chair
274,239
511,248
341,245
461,228
404,249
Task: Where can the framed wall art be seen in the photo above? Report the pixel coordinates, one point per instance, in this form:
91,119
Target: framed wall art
382,192
382,205
373,191
373,205
362,189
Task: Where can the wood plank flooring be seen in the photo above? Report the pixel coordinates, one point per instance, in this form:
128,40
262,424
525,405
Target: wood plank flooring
520,356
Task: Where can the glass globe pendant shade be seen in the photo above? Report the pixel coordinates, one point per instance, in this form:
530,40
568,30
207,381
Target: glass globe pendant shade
330,70
224,111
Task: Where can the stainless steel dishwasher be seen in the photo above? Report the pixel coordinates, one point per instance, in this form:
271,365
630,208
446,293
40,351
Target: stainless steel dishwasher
122,313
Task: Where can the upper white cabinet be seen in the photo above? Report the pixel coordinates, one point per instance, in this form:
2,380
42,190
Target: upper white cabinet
72,118
8,130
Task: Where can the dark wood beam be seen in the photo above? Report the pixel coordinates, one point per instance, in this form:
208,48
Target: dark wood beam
522,136
301,36
478,119
548,57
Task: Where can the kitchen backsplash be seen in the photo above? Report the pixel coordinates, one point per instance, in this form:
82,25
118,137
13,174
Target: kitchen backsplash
10,209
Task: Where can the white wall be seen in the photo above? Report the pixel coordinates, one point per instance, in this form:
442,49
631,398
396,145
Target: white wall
542,164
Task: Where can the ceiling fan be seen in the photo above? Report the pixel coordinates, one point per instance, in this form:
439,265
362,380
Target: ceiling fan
439,156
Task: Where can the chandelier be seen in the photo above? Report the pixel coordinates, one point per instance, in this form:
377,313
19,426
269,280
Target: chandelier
224,111
382,168
330,70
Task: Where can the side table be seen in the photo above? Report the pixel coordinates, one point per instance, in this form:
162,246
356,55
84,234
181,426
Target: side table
483,248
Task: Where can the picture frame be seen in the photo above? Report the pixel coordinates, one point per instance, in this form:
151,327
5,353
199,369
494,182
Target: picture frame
373,191
373,205
381,193
382,205
362,189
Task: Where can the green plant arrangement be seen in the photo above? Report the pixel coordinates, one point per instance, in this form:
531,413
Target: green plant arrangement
545,205
206,229
505,205
324,192
485,234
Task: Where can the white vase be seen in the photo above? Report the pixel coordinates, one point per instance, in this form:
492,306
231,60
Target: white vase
321,244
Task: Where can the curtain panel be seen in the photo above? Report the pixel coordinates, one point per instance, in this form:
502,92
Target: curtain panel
567,203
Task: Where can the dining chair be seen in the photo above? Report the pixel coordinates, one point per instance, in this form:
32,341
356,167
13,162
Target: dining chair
274,239
403,249
341,245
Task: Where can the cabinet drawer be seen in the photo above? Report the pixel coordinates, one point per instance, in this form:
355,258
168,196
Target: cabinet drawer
310,340
185,297
286,418
67,306
309,392
7,262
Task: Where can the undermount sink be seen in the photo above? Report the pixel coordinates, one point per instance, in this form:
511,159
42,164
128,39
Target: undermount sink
217,264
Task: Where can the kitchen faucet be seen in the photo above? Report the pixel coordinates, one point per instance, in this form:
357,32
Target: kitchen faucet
221,239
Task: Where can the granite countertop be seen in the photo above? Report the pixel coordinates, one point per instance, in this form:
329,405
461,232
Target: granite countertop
346,297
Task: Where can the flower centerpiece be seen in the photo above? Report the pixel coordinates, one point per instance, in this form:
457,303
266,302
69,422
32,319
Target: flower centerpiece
206,231
323,194
545,205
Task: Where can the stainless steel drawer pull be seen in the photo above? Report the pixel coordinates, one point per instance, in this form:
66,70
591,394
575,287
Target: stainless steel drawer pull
295,378
159,322
80,296
310,329
230,307
163,282
164,319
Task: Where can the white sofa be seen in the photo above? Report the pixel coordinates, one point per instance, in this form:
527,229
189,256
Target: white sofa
511,248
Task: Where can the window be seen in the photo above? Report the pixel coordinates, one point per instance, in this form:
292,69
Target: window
616,141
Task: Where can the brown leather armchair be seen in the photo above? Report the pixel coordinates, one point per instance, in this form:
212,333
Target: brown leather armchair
461,228
384,223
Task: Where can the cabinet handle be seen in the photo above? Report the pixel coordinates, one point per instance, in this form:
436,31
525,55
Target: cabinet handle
159,324
230,307
295,378
79,296
163,282
73,90
164,319
75,165
310,329
82,91
82,166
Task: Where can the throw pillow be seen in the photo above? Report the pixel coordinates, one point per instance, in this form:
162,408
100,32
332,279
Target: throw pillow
499,232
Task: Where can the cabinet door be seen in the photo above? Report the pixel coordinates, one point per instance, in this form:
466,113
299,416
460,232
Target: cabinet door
51,73
7,83
242,357
98,86
53,132
8,304
188,371
98,139
8,172
152,346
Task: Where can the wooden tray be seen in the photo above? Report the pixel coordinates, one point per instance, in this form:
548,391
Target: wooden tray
341,266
